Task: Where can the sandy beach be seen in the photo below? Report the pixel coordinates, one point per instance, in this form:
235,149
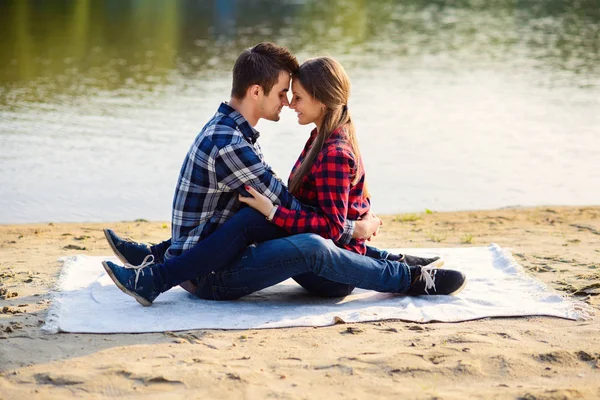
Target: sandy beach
525,358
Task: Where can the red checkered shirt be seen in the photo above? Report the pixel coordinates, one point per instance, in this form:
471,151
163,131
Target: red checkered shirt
328,187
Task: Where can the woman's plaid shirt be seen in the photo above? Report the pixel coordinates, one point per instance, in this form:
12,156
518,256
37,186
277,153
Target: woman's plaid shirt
328,187
222,160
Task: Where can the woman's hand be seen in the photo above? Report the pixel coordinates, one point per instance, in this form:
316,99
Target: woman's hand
367,227
258,201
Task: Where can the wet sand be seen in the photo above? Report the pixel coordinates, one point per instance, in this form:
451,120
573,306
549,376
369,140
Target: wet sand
529,358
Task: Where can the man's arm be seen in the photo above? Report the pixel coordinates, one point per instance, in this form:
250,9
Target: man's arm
238,165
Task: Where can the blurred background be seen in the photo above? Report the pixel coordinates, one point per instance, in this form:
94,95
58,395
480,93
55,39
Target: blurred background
464,104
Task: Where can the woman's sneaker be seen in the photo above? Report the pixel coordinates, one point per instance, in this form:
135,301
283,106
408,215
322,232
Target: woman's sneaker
136,281
429,280
128,251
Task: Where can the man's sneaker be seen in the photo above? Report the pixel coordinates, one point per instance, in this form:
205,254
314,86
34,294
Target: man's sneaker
136,281
413,261
128,251
431,281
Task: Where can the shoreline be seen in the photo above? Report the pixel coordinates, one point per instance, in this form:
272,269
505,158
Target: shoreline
530,357
383,215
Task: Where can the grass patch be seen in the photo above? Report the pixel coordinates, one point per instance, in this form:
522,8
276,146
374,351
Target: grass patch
406,218
436,237
467,239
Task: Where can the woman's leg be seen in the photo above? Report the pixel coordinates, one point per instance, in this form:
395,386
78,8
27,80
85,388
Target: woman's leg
322,287
378,254
274,261
411,261
319,286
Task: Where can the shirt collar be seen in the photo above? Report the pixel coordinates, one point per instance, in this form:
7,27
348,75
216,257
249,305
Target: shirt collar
243,126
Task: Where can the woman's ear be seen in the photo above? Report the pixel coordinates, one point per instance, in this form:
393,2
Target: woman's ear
321,106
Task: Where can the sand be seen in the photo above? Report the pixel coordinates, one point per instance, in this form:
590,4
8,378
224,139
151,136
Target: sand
528,358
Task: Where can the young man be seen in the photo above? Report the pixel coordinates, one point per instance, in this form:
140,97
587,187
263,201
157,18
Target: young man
224,158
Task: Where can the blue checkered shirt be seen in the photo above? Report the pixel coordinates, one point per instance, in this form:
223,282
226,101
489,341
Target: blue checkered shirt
224,157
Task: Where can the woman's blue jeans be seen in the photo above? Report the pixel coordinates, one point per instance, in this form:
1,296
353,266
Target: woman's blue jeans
224,267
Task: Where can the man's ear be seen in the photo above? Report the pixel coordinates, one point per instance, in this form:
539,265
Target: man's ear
255,91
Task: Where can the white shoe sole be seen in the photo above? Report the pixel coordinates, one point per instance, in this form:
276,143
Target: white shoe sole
436,264
459,289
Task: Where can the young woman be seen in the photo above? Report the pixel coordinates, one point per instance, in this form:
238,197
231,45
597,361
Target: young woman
329,176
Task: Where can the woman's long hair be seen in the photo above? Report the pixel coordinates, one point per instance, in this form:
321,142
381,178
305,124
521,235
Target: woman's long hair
326,81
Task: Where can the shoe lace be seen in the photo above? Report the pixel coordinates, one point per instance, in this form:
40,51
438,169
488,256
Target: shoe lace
148,260
428,275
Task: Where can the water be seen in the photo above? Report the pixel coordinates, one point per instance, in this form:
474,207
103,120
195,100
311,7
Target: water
458,104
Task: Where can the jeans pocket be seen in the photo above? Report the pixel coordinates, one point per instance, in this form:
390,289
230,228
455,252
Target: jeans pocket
228,293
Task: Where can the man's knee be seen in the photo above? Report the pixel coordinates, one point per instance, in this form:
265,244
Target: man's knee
249,217
250,214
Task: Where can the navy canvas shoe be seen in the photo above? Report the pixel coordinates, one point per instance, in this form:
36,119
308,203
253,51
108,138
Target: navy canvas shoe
431,281
128,251
136,281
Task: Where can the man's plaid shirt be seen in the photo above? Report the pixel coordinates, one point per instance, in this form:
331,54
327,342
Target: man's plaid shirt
328,187
222,160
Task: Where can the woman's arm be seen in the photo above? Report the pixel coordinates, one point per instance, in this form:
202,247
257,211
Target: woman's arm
333,174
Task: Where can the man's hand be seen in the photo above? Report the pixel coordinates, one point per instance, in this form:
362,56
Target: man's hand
367,227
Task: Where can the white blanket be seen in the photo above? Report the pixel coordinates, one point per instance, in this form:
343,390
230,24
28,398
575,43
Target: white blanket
87,301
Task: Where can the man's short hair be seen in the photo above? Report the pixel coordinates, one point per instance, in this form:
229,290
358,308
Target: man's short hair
261,65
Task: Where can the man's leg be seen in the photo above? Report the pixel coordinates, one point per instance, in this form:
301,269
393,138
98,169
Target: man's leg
146,281
218,249
159,250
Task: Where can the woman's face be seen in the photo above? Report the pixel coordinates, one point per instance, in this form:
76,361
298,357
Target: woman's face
308,109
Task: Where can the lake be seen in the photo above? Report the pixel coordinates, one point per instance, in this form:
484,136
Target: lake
458,104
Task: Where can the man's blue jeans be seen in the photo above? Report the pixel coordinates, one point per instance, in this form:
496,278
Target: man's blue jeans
221,250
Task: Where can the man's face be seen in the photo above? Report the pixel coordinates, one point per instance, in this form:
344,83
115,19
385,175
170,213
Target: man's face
270,106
